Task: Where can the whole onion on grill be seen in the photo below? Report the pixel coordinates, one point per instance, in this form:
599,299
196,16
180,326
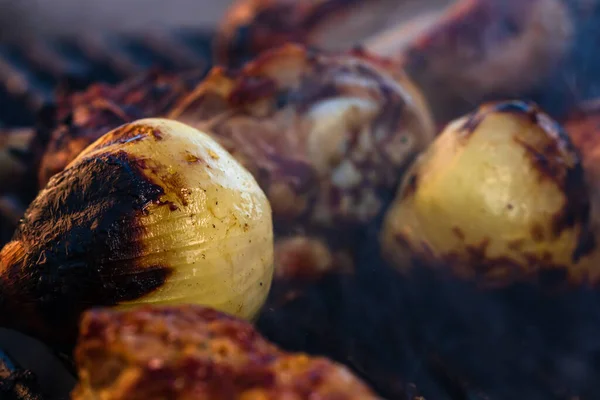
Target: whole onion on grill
499,197
154,212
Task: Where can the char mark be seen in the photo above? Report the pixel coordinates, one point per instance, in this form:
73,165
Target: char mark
82,238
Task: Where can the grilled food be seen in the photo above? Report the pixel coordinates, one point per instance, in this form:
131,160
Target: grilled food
153,212
253,26
583,127
82,118
307,259
322,134
482,49
326,136
461,55
499,197
191,352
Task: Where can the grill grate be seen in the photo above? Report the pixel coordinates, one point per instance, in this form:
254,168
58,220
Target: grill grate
30,72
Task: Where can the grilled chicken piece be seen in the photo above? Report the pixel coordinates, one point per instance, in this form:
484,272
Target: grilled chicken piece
85,117
326,136
191,352
252,26
481,49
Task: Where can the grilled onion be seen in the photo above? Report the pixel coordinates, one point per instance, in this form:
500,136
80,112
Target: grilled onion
499,196
153,212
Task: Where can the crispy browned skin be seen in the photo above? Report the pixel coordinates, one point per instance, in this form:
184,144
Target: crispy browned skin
85,117
481,49
252,26
326,136
191,352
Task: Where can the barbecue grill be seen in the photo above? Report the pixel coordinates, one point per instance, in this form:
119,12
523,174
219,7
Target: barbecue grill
440,322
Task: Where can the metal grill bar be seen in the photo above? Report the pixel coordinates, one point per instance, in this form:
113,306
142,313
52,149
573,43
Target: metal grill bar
30,72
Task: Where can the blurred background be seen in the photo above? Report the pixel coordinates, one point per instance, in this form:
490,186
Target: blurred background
27,17
46,44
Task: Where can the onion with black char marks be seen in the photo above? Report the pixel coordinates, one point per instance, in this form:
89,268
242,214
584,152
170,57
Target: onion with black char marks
154,212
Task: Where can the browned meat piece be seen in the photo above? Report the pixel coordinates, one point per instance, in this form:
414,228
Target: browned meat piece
583,127
191,352
482,49
301,258
252,26
85,117
326,136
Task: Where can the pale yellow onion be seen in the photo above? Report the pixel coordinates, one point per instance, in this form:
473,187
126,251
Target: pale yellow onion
499,196
209,229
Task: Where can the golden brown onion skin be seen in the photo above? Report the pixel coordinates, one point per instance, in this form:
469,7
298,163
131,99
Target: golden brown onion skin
82,118
191,352
481,49
253,26
153,212
326,136
499,197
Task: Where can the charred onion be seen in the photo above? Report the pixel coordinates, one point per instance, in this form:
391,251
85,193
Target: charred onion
499,196
153,212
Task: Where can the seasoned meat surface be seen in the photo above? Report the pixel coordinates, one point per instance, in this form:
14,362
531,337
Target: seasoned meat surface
191,352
